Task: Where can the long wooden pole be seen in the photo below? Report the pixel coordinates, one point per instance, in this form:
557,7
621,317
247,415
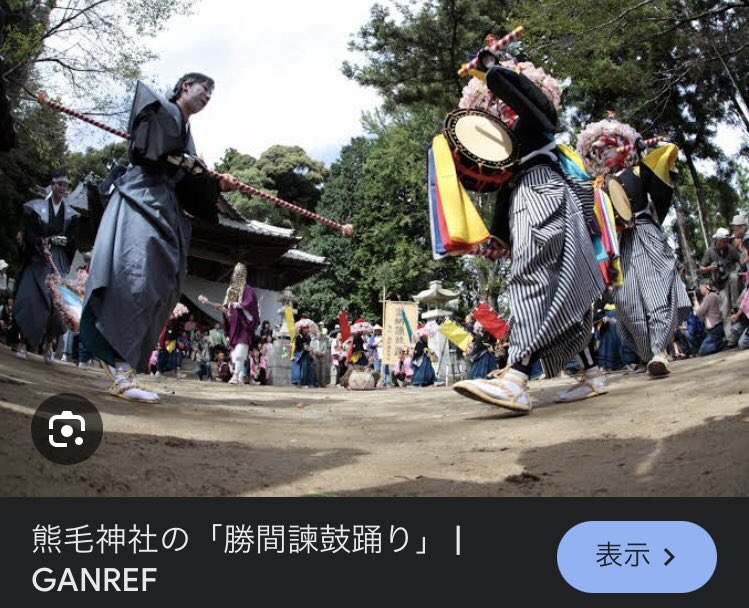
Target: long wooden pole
345,229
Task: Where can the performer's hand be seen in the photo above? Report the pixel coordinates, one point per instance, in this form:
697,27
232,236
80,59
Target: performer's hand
228,182
494,249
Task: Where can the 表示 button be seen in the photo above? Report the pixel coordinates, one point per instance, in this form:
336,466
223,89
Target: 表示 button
637,557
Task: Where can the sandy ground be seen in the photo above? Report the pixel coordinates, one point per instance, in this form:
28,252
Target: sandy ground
687,435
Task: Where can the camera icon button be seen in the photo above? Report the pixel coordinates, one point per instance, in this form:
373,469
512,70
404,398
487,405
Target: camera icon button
66,429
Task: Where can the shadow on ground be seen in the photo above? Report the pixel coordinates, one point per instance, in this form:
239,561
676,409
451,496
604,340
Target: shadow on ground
618,467
145,465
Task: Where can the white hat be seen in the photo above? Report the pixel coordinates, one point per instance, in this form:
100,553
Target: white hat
722,233
376,327
3,265
738,220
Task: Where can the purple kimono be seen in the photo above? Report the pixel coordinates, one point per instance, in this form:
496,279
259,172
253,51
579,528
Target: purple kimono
243,319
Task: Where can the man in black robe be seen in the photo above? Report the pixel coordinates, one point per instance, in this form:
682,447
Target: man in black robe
50,222
139,260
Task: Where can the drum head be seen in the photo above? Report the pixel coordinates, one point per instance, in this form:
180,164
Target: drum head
620,200
482,138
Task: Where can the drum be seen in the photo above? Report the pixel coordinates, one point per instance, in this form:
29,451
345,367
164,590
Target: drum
621,204
483,148
362,379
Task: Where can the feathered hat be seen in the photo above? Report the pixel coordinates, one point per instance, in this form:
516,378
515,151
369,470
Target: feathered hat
305,322
422,330
360,326
179,310
608,146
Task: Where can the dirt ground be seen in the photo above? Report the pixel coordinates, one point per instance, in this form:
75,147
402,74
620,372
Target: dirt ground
687,435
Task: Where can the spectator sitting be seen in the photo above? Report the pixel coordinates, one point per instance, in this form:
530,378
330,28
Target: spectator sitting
9,331
709,312
721,261
402,371
170,350
266,331
694,331
198,342
203,368
258,367
185,345
223,369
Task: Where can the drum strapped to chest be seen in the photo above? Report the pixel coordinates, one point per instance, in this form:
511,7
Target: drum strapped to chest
483,148
620,201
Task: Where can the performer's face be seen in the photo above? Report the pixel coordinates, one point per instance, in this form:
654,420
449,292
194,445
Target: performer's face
59,187
195,96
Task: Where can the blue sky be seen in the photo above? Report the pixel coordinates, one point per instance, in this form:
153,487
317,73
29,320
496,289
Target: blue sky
277,67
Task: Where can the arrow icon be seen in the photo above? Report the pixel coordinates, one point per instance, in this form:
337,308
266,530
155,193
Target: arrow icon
670,557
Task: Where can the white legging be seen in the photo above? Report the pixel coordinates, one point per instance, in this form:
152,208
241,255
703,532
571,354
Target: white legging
238,355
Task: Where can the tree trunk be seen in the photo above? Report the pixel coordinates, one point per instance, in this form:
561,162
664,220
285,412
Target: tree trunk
737,107
686,247
705,223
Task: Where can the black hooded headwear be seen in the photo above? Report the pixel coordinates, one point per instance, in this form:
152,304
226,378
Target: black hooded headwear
537,117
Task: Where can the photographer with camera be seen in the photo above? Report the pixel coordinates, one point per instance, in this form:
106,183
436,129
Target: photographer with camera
721,262
708,311
47,222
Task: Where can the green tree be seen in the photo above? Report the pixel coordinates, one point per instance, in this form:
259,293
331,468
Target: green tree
95,161
412,56
378,185
667,66
39,151
284,171
85,48
670,67
244,168
296,178
324,295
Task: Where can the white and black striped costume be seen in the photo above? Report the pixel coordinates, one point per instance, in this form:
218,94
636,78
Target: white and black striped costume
653,300
554,276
